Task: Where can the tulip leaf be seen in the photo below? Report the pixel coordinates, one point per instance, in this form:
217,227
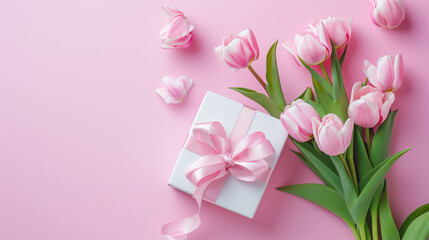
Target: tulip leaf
261,99
321,165
387,224
363,163
326,86
319,109
312,168
381,142
306,95
349,190
343,56
370,186
274,87
324,98
415,214
341,101
323,196
418,229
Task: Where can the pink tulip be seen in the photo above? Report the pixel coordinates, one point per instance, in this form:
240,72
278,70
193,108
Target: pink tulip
296,119
369,106
332,137
312,46
338,31
387,13
178,31
238,51
175,89
388,75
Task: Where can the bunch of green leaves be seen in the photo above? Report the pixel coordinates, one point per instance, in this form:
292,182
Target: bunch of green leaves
360,200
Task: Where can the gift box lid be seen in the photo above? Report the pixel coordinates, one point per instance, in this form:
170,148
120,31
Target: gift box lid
237,196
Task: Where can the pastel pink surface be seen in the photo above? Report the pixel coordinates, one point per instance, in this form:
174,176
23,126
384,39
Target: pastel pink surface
86,146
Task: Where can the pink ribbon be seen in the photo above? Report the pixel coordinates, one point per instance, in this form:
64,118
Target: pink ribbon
242,157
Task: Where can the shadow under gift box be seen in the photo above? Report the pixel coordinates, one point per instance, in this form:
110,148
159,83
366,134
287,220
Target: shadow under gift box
237,196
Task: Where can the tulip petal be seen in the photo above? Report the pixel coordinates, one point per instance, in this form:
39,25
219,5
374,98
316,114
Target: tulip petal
399,72
388,100
364,114
250,37
175,89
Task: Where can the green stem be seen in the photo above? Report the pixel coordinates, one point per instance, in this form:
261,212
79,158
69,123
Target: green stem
362,232
368,139
264,86
325,73
345,165
355,232
374,223
353,171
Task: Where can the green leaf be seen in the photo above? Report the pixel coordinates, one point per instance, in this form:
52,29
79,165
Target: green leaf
369,187
308,151
350,194
363,163
343,56
326,86
387,224
306,95
341,101
381,142
312,168
261,99
415,214
323,196
386,163
324,98
418,229
274,87
319,109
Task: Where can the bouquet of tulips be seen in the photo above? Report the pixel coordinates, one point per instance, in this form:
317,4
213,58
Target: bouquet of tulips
345,143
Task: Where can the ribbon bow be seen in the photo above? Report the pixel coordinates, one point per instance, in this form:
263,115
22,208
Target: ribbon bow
219,156
243,158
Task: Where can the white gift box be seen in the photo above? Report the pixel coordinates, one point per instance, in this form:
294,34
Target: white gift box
237,196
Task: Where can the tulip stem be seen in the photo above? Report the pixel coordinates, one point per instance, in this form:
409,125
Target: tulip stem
325,73
258,78
345,165
368,139
353,171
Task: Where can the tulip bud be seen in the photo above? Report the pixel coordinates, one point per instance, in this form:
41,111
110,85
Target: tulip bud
332,137
369,106
387,13
312,46
296,119
175,89
238,51
178,31
338,31
388,75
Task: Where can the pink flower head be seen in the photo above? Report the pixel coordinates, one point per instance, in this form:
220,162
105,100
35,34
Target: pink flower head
312,46
387,13
388,75
175,89
332,137
369,106
178,31
238,51
296,119
338,31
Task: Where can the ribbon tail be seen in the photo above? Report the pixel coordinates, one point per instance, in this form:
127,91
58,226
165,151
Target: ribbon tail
178,230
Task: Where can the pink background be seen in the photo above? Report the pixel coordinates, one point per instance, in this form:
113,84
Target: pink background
86,146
